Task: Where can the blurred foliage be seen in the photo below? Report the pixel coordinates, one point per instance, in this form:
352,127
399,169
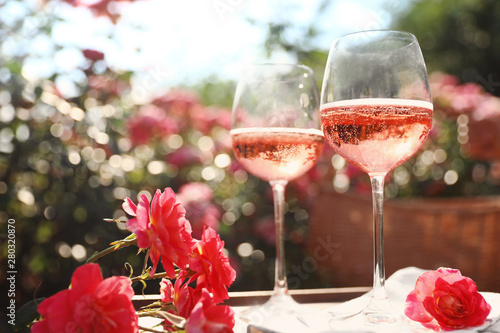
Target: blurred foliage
458,37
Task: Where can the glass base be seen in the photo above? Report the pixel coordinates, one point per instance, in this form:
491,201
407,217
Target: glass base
377,316
279,309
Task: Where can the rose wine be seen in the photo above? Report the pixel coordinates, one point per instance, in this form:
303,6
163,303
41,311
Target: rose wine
277,153
376,134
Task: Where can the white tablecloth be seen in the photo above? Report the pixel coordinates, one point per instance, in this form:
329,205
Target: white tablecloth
398,286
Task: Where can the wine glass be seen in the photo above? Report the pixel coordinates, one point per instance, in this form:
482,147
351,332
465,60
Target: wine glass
276,136
376,111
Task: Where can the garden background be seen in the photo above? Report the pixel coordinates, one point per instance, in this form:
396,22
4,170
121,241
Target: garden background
86,123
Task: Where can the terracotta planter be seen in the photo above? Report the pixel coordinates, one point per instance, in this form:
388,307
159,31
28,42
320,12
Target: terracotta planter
462,233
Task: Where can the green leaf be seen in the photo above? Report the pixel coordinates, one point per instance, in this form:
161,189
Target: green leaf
27,313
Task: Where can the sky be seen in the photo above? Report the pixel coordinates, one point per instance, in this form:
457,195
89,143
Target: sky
173,43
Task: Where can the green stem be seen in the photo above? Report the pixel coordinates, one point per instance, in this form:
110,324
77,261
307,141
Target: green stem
155,276
130,240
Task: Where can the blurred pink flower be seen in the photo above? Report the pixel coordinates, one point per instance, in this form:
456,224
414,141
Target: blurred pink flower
91,304
466,97
163,229
211,265
106,85
223,141
206,118
177,101
440,82
265,230
148,124
200,210
93,55
452,97
482,109
99,7
487,108
484,139
442,89
184,156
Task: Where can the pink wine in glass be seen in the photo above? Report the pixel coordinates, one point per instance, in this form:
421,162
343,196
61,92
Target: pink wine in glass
376,134
277,153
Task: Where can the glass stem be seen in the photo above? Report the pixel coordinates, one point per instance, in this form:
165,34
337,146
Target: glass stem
280,281
379,300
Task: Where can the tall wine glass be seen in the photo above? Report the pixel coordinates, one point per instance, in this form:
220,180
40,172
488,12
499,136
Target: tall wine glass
276,136
376,111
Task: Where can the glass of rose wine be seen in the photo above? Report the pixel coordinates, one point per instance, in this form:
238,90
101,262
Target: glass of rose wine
276,136
376,111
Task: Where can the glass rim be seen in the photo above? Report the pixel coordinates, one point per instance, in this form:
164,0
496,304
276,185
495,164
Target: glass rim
411,39
277,65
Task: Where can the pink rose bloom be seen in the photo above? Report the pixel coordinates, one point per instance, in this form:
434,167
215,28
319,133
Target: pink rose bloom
181,295
196,305
488,108
207,317
445,300
185,298
90,305
212,267
177,101
166,291
205,118
466,97
107,86
484,130
184,156
163,229
150,123
200,210
443,89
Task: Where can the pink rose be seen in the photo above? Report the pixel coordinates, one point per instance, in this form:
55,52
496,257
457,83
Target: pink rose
178,102
166,291
150,123
445,300
184,156
181,295
90,305
212,267
185,298
163,229
197,306
207,317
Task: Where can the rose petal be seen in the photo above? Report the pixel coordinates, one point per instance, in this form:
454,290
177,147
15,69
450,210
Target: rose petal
85,280
414,309
140,232
129,207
